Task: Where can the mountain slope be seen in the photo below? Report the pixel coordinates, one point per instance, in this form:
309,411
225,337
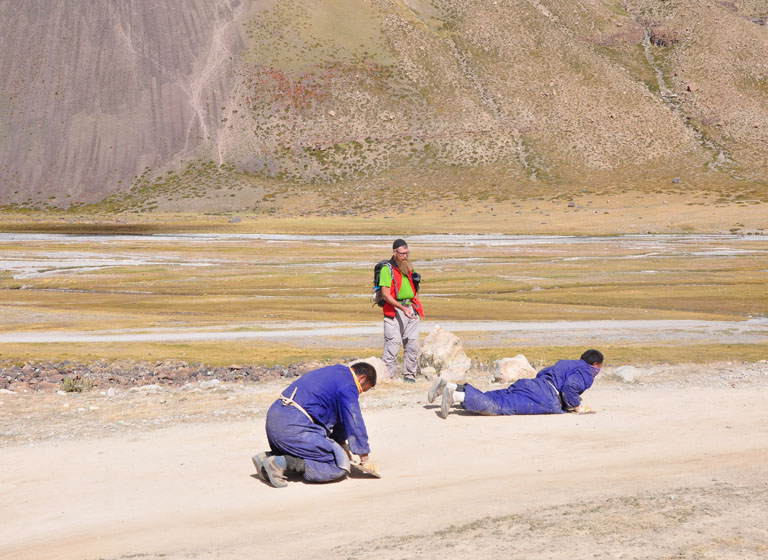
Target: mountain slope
207,100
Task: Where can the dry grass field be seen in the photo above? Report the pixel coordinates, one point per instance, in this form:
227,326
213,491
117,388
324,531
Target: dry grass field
699,263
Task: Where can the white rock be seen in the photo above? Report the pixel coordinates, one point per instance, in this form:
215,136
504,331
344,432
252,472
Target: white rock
212,384
429,372
111,392
512,369
442,350
7,392
627,373
454,373
378,365
146,389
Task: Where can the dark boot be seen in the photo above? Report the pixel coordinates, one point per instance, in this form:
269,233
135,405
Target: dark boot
295,464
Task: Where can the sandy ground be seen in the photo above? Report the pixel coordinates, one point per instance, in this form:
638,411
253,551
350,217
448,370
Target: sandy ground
675,467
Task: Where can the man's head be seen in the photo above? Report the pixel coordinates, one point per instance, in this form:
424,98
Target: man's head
400,254
593,358
366,375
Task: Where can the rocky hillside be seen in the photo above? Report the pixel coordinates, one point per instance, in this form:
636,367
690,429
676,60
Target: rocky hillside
166,104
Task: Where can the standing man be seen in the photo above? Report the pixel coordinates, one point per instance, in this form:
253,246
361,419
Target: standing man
555,389
402,311
315,425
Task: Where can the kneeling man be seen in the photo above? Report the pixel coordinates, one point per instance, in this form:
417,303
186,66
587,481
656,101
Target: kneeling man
315,424
555,389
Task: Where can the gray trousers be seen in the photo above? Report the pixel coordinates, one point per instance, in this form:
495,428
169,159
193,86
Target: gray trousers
400,329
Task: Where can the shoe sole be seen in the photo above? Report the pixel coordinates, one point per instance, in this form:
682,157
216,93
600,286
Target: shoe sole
435,390
446,404
260,462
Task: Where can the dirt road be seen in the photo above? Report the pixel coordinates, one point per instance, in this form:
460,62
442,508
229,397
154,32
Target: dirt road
669,470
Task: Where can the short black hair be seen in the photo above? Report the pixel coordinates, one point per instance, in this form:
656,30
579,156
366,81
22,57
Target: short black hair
592,357
399,243
366,369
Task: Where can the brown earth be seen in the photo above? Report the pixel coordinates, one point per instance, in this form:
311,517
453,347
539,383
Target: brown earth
671,466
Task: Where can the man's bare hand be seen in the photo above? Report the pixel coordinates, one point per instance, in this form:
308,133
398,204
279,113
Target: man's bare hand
369,468
583,409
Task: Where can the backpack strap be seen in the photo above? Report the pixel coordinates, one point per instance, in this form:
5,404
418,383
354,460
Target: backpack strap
392,274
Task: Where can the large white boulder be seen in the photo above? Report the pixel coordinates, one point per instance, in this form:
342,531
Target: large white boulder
381,370
511,369
443,351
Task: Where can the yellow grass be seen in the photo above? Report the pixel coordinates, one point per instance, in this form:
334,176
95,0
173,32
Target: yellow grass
253,284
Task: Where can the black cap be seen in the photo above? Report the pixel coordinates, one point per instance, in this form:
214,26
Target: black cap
399,243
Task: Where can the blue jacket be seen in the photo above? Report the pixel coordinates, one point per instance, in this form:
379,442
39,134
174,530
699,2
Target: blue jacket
571,378
330,396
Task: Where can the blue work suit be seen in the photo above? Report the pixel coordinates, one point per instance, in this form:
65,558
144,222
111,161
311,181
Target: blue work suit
330,397
555,389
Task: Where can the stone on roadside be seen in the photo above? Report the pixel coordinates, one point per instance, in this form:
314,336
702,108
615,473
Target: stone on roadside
46,386
19,387
443,351
378,365
212,384
146,389
509,370
429,372
454,373
307,367
626,373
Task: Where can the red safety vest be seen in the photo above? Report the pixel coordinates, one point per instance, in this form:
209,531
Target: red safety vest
397,280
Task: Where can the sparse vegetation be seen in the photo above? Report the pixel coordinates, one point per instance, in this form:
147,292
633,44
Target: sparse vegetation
76,384
431,98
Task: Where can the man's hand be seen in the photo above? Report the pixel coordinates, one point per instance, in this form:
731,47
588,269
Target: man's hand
370,468
583,409
366,466
408,312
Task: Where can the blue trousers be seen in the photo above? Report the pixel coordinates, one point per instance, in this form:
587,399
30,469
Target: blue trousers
290,432
524,396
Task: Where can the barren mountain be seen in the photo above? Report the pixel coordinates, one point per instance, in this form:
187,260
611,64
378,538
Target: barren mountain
152,105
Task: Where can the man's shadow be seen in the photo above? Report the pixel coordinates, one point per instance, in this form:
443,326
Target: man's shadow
452,412
291,476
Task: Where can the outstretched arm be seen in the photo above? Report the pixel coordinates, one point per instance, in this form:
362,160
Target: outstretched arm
352,418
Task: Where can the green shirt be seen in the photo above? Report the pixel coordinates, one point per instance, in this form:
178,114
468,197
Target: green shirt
385,280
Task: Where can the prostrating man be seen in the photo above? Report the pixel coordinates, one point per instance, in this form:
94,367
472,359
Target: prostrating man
400,291
315,424
555,389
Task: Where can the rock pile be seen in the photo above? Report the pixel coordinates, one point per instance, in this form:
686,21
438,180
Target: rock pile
67,376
